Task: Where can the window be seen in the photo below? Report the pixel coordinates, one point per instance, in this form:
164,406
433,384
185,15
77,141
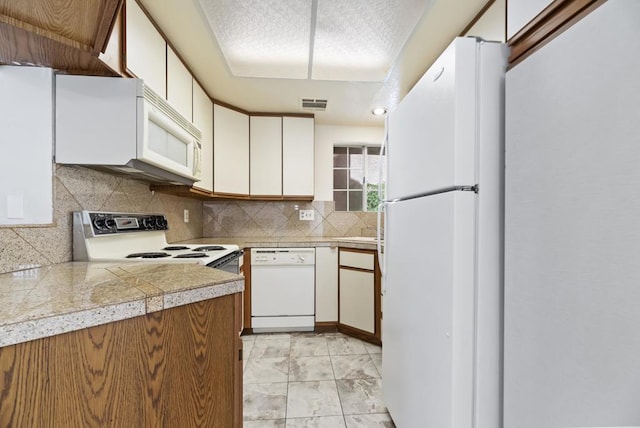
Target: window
355,177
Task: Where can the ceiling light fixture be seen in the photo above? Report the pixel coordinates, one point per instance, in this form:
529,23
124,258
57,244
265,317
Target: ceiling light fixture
379,111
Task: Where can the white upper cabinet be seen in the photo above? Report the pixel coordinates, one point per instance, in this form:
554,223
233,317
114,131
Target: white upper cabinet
179,85
297,156
521,12
230,151
266,155
146,49
26,167
203,119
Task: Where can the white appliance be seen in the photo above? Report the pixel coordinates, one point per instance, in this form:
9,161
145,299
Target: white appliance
122,125
442,269
572,238
131,237
282,289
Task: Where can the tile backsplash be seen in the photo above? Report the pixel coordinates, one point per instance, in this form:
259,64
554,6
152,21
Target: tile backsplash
77,188
281,219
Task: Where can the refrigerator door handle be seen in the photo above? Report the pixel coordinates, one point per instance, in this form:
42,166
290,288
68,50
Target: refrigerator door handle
475,189
381,263
382,196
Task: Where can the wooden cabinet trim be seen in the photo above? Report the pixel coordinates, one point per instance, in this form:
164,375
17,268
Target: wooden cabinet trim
552,21
357,269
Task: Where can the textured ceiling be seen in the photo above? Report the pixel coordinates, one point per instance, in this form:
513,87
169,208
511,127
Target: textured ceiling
350,102
354,40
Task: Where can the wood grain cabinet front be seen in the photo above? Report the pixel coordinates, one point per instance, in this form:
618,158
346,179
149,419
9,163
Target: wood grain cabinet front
171,368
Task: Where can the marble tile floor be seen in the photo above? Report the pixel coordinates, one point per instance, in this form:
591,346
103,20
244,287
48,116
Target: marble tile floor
309,380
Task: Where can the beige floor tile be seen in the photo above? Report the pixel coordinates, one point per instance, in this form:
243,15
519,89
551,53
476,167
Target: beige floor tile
360,396
377,420
266,370
308,399
343,345
265,401
308,346
310,368
317,422
354,367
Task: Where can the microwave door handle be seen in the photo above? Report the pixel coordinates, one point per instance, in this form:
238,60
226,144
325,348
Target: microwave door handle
197,159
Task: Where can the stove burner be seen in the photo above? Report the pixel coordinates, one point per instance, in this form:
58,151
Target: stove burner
210,248
190,256
148,255
175,248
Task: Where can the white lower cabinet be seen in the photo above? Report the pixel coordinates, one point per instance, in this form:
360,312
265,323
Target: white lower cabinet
359,288
357,299
326,284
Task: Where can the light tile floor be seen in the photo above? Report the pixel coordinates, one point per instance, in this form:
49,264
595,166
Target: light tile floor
309,380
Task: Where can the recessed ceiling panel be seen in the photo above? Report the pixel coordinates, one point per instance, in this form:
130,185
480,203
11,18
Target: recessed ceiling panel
358,40
262,38
352,40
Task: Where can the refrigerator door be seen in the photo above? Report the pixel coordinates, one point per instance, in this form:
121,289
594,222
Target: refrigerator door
432,134
572,235
428,320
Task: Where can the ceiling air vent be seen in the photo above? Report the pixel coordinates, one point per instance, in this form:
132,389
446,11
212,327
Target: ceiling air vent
314,104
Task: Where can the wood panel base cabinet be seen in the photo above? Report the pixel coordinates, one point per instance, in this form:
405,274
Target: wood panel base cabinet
172,368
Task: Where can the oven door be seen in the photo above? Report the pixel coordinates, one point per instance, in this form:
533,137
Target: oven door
229,263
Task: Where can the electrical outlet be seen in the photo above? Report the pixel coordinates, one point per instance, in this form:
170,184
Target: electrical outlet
307,215
186,216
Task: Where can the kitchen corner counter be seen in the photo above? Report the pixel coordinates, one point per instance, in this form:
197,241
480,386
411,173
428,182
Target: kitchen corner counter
57,299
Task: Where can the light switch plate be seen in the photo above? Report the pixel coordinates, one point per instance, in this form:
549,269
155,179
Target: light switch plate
186,216
307,215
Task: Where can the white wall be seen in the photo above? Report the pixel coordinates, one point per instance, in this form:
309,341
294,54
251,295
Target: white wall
492,25
521,12
329,135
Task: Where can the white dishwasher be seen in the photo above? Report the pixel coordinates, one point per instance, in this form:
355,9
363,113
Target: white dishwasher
282,289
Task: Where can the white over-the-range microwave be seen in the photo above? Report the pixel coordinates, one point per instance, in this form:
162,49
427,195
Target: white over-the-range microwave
122,125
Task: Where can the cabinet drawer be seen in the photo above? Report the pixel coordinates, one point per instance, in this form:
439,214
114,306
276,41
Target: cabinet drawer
357,260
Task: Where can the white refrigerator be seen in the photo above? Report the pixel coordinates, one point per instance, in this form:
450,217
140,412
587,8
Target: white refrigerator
442,284
572,240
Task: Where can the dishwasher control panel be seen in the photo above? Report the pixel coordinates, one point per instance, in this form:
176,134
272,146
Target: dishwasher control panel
283,256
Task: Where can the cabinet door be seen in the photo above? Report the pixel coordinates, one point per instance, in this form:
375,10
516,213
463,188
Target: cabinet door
326,284
179,85
357,299
266,155
146,49
26,186
203,119
230,151
297,156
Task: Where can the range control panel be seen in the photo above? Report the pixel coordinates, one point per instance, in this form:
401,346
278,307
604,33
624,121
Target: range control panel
104,223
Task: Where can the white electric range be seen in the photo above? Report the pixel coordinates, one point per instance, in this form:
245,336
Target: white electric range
128,237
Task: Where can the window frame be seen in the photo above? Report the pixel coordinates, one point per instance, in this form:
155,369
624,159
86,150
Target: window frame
366,175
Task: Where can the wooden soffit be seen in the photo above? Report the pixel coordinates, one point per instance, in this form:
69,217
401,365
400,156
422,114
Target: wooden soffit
553,20
63,34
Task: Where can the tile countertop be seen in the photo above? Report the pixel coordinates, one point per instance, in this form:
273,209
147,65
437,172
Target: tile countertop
357,242
65,297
